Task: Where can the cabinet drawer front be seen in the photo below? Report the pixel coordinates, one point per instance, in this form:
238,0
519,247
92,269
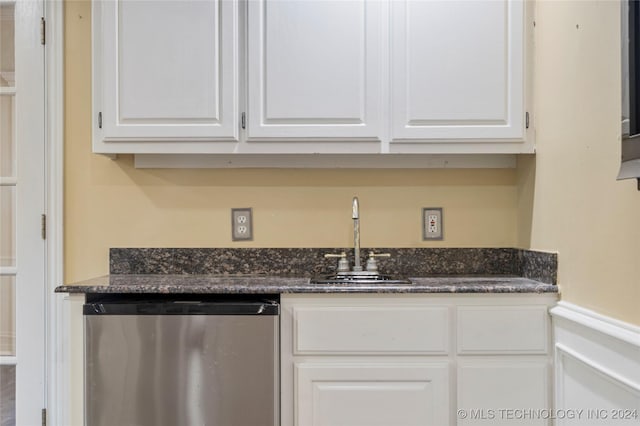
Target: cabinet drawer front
502,329
370,330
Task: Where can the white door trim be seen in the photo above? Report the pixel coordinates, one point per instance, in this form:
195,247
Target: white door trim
57,334
30,199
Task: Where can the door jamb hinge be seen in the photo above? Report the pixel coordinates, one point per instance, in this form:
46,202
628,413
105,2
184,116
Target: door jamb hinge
100,120
43,32
243,120
526,120
43,226
44,417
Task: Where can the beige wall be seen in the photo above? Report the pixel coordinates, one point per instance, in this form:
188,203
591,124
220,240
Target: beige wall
568,199
111,204
565,199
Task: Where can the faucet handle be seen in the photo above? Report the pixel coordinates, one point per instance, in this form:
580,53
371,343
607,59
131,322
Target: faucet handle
329,255
372,254
343,263
372,263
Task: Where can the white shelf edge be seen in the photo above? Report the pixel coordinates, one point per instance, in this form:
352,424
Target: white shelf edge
326,161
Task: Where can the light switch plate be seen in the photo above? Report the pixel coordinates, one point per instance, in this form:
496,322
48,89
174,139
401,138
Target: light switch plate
432,228
242,224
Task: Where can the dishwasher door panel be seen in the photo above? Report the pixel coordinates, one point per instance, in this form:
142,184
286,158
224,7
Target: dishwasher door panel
181,370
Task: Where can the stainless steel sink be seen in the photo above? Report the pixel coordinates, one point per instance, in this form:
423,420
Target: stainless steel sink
364,278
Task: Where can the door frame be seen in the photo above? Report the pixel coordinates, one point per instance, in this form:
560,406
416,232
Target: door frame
58,368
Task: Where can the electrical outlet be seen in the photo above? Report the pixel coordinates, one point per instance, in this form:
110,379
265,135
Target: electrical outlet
432,223
241,224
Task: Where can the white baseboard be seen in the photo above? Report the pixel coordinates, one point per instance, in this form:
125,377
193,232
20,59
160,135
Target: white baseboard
597,368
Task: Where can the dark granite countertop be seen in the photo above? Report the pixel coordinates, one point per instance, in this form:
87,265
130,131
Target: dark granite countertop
287,270
254,284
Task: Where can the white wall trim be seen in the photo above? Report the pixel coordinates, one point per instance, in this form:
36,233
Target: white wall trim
605,372
57,363
597,362
610,326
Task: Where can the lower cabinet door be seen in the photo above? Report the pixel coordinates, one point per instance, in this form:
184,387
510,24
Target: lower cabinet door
504,391
372,394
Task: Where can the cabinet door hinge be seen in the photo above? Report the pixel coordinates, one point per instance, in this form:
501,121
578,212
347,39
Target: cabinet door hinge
44,417
99,120
43,226
43,28
526,120
243,120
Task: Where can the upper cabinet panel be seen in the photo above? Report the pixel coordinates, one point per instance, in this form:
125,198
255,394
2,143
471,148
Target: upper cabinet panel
457,70
314,69
165,71
156,69
311,76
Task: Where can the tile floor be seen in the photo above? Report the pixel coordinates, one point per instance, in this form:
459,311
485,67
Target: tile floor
7,395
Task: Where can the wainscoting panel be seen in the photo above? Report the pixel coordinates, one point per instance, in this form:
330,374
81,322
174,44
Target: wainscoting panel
597,373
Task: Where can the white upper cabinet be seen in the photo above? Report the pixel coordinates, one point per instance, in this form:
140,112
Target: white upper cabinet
165,75
310,76
457,71
314,69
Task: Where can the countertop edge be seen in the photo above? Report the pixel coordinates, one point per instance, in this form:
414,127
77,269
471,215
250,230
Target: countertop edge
181,284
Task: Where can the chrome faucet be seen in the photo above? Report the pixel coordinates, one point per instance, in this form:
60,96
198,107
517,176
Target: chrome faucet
343,263
357,265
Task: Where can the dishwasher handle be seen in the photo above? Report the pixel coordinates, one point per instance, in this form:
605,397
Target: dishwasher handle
181,307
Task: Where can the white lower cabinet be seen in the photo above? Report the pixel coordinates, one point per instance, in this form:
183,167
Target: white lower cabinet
415,359
503,391
372,394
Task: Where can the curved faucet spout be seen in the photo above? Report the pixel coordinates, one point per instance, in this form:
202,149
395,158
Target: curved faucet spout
357,264
355,209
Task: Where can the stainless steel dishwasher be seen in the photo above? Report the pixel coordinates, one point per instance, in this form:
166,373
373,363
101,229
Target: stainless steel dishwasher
181,360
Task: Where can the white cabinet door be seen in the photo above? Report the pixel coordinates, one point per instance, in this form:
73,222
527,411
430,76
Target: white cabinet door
166,72
370,394
503,391
457,71
314,70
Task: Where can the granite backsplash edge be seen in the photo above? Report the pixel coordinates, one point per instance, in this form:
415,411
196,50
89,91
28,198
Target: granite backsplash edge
306,262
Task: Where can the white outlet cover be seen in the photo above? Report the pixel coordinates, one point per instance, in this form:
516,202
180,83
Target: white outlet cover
432,225
241,224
